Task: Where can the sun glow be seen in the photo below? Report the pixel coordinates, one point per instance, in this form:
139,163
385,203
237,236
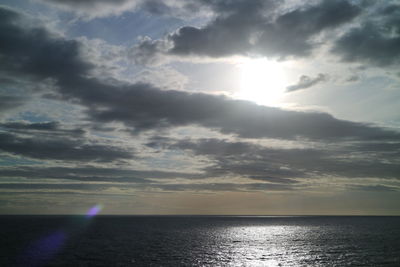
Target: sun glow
261,81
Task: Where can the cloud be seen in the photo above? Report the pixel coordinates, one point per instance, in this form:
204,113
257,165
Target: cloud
291,165
149,52
307,82
89,9
122,178
144,107
43,128
48,140
221,187
375,42
59,148
34,52
95,8
53,186
31,126
93,174
261,28
375,188
255,28
353,78
8,102
88,187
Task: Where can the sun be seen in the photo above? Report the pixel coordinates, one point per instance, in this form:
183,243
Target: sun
261,81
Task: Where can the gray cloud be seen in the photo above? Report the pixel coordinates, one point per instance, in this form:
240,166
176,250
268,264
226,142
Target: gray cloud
248,28
140,106
121,178
31,126
95,174
222,187
149,52
353,78
34,51
376,42
144,107
257,28
89,9
48,140
375,188
95,8
59,149
88,3
281,165
146,187
53,186
307,82
51,128
239,27
8,102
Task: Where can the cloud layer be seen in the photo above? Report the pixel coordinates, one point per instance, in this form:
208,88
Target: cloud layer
125,137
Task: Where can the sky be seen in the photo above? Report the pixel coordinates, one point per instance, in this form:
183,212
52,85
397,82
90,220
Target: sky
229,107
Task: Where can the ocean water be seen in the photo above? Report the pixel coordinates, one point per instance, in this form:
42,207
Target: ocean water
199,241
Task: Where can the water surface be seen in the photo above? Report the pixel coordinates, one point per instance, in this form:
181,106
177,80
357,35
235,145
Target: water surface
199,241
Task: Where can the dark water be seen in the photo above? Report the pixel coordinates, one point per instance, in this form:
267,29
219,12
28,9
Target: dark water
199,241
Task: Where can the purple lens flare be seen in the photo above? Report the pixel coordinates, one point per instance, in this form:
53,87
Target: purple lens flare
44,249
93,211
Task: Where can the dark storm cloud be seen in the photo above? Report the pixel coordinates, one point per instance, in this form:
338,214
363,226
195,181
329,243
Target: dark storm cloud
376,42
59,149
248,28
307,82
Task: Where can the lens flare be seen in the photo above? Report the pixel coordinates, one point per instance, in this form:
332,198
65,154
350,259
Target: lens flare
93,211
43,250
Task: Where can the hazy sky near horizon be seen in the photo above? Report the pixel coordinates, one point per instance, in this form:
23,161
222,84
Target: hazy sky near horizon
200,106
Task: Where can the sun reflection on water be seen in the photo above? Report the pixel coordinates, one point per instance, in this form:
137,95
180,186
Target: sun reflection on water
261,245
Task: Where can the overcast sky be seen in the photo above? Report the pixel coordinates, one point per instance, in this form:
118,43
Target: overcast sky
200,106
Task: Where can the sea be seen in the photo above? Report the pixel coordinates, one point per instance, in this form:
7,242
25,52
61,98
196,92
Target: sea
199,241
